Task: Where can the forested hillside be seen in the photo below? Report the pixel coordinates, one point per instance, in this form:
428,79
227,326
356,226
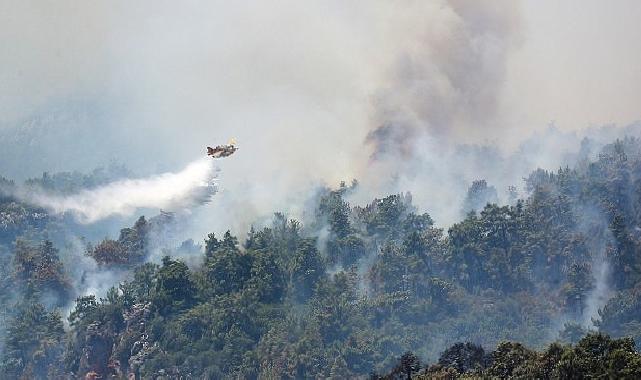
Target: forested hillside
547,286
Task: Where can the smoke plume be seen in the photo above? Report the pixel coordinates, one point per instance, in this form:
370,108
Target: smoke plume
448,82
598,297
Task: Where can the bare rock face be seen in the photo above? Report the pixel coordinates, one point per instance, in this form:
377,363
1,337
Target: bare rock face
133,346
137,315
140,351
115,351
96,352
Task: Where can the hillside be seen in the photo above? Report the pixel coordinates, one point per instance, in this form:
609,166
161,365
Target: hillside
346,294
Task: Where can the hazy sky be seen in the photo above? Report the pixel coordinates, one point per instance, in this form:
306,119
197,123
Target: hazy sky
576,62
580,64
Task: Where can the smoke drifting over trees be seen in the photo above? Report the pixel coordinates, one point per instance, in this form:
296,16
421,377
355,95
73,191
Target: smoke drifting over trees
354,286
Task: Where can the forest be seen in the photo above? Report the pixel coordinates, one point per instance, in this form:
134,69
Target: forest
545,285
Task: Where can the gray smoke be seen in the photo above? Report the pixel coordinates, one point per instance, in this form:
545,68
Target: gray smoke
448,84
600,294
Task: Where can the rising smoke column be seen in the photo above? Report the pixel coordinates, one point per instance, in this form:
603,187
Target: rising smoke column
448,82
192,186
443,90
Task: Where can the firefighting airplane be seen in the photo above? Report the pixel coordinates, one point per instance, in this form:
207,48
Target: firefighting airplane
222,150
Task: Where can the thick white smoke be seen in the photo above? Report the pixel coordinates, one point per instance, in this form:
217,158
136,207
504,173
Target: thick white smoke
189,187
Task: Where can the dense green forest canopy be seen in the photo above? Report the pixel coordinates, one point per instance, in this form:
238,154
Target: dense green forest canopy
547,285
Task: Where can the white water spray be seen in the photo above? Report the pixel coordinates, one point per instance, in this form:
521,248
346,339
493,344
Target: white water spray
190,187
